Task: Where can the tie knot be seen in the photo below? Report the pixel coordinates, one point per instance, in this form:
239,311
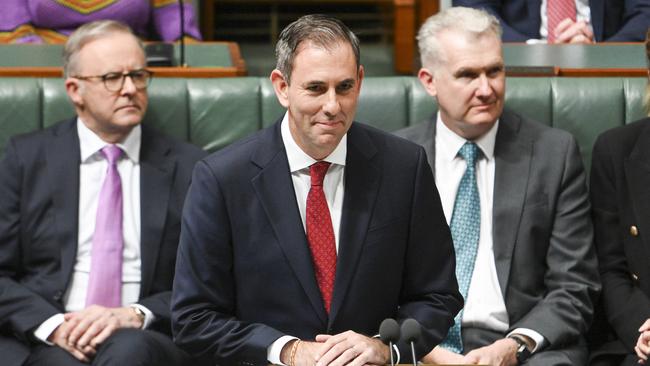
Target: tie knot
317,172
111,153
469,152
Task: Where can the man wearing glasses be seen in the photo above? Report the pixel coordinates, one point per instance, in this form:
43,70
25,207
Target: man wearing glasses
89,219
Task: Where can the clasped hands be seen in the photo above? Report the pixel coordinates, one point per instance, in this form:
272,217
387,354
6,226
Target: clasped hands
569,31
82,332
348,348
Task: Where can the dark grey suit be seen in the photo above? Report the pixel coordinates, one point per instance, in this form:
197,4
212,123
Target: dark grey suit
542,234
39,200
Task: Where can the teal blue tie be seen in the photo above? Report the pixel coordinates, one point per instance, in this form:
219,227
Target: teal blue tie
465,231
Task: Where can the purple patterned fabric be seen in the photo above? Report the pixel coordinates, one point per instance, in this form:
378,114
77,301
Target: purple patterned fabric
141,15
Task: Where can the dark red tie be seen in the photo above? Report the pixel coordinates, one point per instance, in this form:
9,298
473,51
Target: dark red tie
557,11
320,233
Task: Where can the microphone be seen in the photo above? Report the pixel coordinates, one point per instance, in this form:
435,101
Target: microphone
411,333
389,334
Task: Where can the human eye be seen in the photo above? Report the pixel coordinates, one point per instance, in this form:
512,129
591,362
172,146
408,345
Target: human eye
139,75
495,71
315,88
112,77
345,86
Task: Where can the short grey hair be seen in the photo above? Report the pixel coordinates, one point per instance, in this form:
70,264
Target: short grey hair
88,33
470,21
324,31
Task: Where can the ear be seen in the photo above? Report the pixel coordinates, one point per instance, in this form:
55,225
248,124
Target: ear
428,81
73,89
360,77
281,87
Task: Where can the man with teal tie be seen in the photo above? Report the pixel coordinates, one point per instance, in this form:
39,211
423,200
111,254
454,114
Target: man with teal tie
514,194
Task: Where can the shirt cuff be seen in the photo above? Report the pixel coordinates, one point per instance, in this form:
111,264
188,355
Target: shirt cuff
539,340
274,350
43,332
148,315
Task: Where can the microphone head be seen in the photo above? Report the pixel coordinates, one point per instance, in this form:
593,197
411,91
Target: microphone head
389,331
411,331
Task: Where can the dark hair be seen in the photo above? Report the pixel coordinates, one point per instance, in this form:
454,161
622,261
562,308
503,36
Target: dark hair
322,30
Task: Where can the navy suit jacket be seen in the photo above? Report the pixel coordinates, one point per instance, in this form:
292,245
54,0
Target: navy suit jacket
39,195
612,20
244,275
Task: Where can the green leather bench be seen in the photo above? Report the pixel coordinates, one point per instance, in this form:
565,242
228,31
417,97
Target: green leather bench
212,113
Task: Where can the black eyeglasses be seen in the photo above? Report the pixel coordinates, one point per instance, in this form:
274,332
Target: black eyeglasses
114,81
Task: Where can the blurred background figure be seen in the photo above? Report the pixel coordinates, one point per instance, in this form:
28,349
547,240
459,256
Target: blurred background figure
51,21
568,21
620,209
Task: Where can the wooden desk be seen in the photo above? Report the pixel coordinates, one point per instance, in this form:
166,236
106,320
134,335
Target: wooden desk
603,59
204,60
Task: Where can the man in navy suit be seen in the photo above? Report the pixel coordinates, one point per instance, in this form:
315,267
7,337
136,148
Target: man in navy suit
256,283
55,304
596,20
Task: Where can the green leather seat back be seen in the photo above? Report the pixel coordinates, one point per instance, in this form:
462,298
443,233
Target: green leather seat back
213,113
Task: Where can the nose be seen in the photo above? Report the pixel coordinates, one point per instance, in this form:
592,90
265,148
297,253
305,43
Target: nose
128,88
484,89
331,106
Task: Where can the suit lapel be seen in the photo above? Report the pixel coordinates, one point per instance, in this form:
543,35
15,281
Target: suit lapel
512,155
63,157
637,173
362,180
597,14
274,188
156,178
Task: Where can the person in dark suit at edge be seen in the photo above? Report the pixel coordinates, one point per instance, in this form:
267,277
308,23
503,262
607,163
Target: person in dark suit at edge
620,180
90,219
514,192
298,241
570,21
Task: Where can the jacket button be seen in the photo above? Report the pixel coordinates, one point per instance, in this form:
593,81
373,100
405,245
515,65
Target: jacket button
634,231
58,295
634,276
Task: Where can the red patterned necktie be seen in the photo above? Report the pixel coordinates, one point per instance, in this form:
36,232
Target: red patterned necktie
557,11
320,233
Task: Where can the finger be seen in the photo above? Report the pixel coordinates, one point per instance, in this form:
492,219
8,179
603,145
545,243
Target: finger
102,336
76,353
323,337
580,39
568,34
645,326
561,28
348,357
333,352
639,353
91,332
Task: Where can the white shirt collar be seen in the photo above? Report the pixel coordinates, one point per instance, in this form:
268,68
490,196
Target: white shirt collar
298,159
449,143
90,144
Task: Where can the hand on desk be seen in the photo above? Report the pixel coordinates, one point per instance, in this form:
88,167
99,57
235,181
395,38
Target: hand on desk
348,348
82,332
499,353
569,31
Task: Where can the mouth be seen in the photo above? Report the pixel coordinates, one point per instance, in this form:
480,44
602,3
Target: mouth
130,106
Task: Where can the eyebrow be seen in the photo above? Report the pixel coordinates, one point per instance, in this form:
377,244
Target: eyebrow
477,70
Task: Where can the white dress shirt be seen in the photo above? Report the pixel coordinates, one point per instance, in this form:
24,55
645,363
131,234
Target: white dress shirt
92,172
484,305
333,186
583,12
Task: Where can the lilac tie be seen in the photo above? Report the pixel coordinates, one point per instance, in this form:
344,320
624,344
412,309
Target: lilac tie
105,284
